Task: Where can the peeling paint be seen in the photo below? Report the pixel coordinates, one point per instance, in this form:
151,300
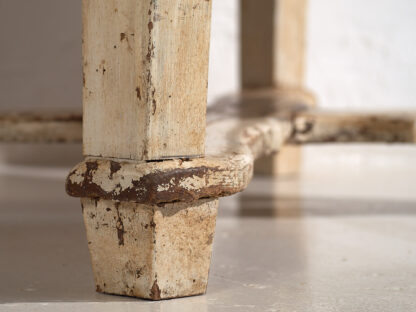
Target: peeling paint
159,261
225,171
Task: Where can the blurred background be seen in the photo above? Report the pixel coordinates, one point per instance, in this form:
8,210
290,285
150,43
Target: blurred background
360,56
360,53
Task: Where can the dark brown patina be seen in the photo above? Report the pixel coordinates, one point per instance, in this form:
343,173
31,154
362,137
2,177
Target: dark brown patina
145,189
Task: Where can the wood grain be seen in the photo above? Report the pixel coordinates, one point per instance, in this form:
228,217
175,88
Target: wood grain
152,252
145,77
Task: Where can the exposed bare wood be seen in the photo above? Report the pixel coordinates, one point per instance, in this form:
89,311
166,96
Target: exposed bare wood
323,127
272,43
145,77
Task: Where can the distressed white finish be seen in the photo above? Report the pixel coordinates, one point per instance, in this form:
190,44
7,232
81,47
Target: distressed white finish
153,252
145,78
238,133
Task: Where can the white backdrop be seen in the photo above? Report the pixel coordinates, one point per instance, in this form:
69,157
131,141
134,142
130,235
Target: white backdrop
360,53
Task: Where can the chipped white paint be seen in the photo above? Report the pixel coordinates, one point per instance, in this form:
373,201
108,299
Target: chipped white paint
194,183
165,187
232,145
150,251
118,182
77,177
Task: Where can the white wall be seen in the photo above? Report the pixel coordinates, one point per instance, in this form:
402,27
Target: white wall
224,54
361,53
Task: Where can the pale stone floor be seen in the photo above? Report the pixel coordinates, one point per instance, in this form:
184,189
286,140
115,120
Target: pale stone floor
329,240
